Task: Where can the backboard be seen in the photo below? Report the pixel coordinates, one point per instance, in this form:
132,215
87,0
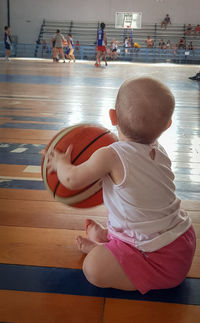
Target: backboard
128,20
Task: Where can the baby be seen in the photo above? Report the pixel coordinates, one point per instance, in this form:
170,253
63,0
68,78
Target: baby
149,241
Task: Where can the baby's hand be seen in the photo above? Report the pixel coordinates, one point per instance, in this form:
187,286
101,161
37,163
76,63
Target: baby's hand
55,157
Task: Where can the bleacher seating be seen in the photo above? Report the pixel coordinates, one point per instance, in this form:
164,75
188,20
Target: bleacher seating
85,33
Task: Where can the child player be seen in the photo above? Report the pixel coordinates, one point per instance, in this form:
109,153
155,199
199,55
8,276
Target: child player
7,42
149,242
70,55
101,45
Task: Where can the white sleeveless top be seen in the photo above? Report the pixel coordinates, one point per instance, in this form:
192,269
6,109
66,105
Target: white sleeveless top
144,210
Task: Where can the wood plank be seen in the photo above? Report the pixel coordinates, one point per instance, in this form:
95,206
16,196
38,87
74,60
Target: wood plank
20,194
120,311
195,268
34,122
27,307
51,247
197,230
45,214
4,120
19,134
190,205
28,204
40,141
195,216
43,211
40,247
17,171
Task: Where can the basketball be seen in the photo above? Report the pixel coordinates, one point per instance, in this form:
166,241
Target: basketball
86,139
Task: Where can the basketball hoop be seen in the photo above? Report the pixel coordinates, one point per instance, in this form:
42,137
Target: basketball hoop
128,20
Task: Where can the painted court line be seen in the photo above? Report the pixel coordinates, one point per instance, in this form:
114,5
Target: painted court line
5,178
32,169
73,281
29,184
24,96
19,150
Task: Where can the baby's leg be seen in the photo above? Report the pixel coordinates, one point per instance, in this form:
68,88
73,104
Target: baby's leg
102,269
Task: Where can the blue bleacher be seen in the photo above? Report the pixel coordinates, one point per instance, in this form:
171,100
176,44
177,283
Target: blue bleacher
85,33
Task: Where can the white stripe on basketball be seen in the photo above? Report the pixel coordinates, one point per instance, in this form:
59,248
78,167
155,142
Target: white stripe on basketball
80,197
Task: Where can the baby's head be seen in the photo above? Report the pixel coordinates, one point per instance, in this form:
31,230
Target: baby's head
144,108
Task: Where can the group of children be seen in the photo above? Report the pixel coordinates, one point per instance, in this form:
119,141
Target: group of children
129,43
180,45
62,47
192,30
58,43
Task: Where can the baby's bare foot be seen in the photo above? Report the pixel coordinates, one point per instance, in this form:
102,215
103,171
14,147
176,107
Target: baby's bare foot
95,231
85,245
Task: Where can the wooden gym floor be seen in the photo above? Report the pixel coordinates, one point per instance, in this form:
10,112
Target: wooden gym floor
40,267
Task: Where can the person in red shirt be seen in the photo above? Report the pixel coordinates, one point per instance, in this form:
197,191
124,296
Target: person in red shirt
197,30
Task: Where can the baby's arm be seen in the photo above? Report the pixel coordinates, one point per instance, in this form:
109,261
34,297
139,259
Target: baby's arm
76,177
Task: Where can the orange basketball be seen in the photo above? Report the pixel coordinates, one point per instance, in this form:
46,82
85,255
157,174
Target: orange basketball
86,139
65,43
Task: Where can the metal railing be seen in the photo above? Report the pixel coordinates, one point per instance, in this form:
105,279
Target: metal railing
132,54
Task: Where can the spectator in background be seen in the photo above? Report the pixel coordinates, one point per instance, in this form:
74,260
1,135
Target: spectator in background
166,21
197,30
126,44
59,41
175,48
195,77
7,42
181,43
188,30
77,45
168,45
149,42
190,46
129,42
161,44
136,47
44,47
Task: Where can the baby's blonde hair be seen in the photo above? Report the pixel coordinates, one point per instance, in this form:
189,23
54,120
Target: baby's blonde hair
144,107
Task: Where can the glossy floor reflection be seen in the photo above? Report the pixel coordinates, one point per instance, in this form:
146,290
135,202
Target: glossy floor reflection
40,95
40,266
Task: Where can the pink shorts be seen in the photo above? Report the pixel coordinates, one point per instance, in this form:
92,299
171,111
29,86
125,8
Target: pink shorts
160,269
